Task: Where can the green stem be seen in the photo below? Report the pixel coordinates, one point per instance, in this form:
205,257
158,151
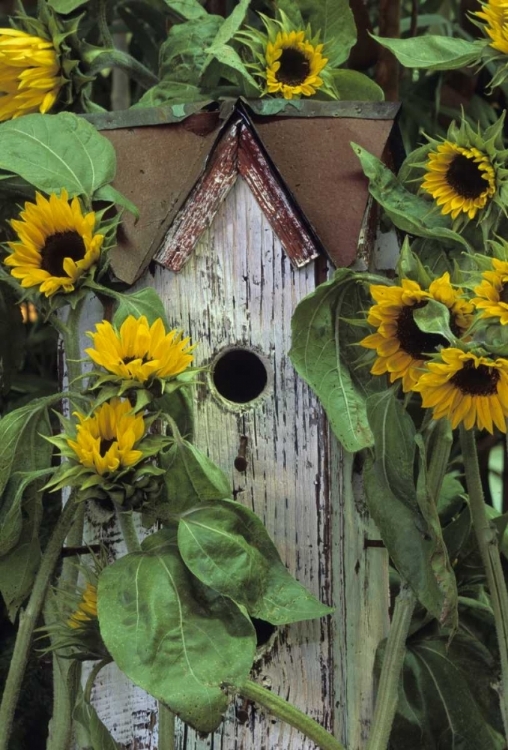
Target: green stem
388,688
28,621
487,544
60,725
288,713
87,694
115,58
102,20
442,441
166,728
129,533
70,336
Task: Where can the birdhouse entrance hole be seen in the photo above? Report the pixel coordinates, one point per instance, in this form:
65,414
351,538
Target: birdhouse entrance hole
239,375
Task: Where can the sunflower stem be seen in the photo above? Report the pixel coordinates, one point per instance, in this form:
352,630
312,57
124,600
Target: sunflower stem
87,693
102,21
115,58
388,688
442,441
290,714
486,538
166,728
28,620
129,533
70,336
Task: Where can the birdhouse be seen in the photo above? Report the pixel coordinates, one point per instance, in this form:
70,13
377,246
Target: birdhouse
243,212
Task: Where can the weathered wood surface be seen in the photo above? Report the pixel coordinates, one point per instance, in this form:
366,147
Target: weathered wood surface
240,288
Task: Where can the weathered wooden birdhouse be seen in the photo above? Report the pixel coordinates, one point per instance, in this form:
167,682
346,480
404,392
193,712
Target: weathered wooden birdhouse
243,213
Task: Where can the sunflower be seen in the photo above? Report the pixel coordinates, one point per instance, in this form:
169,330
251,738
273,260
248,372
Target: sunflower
495,13
30,75
105,441
493,292
401,347
466,388
289,60
86,610
138,351
56,244
461,180
293,65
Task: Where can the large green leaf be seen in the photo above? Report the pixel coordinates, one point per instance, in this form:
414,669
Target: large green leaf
446,698
335,21
354,86
316,353
409,212
188,9
182,56
21,436
402,514
18,495
65,6
171,635
191,478
227,547
55,152
433,52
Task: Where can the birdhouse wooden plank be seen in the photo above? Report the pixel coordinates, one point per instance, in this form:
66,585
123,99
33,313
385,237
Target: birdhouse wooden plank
241,217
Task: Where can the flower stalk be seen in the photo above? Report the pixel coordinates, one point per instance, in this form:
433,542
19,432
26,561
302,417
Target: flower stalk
28,621
388,688
288,713
99,59
486,538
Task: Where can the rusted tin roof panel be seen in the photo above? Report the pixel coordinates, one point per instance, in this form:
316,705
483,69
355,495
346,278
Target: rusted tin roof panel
157,168
316,162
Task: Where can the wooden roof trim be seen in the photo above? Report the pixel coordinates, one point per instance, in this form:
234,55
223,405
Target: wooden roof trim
273,200
203,202
237,152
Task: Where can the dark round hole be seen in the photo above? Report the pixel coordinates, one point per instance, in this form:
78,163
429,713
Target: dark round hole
264,631
239,376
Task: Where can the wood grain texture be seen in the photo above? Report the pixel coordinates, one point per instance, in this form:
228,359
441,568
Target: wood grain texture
239,288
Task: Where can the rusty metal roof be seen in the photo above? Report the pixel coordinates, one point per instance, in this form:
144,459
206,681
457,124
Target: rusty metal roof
163,153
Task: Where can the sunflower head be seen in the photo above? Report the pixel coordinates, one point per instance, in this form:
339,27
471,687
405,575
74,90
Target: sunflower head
110,456
289,62
56,247
139,354
401,347
494,18
467,389
492,292
37,65
465,173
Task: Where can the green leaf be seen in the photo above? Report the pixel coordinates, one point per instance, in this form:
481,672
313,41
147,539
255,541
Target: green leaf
230,57
292,11
446,698
191,478
409,212
354,86
401,511
182,56
335,21
98,736
433,52
65,6
144,302
434,318
316,354
168,90
56,152
188,9
171,635
179,405
20,436
112,195
227,547
15,497
394,434
230,26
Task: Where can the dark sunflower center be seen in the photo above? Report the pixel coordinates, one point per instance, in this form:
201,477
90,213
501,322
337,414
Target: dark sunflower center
105,446
58,247
413,341
464,176
294,67
503,294
476,381
144,360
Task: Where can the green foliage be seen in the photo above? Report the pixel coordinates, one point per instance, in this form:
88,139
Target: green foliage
189,641
56,153
97,736
144,302
317,355
335,22
434,52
